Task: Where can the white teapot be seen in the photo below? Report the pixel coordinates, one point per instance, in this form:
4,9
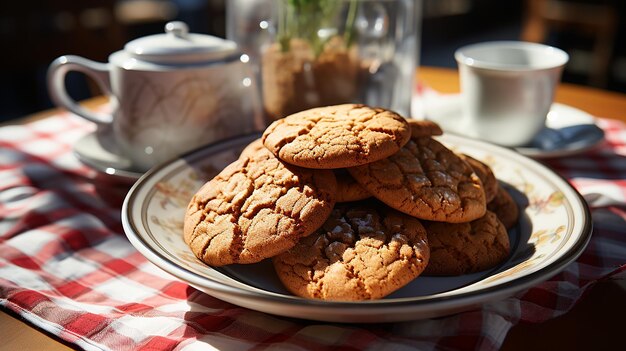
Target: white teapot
169,93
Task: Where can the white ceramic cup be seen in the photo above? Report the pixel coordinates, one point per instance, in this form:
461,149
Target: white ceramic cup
507,89
169,93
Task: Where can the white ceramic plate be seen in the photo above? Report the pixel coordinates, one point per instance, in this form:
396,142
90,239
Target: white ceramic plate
554,229
568,130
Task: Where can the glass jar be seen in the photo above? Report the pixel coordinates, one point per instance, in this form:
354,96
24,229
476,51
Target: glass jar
311,53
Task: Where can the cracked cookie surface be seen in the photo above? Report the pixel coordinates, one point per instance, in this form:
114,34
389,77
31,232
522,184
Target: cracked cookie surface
425,180
504,207
337,136
253,148
360,253
485,174
461,248
256,208
347,188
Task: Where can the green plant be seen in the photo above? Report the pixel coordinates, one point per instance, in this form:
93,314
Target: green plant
313,20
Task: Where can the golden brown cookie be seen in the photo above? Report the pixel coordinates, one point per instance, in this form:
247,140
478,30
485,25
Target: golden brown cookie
425,180
460,248
484,172
423,128
337,136
360,253
504,207
252,148
347,188
257,207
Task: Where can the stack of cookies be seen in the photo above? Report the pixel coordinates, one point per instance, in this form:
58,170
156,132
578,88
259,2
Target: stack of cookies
351,203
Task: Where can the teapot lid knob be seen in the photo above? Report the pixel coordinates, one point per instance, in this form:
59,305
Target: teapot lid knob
178,28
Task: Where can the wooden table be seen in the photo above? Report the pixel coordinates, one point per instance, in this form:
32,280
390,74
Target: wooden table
595,323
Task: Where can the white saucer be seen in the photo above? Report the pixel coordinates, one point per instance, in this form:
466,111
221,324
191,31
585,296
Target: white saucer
568,130
99,151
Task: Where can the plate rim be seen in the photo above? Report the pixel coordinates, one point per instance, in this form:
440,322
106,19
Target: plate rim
478,295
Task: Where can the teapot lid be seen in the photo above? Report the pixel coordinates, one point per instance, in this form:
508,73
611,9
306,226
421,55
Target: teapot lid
177,45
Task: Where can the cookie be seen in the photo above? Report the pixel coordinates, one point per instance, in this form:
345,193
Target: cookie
253,148
257,207
461,248
347,188
484,172
360,253
423,128
337,136
425,180
505,208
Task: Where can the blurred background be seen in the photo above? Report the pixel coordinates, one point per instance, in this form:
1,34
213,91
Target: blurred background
33,33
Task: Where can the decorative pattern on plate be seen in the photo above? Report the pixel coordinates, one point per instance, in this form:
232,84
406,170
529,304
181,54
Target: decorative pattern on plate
553,229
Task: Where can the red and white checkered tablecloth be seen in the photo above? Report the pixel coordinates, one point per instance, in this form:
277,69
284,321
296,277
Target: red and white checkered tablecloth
66,266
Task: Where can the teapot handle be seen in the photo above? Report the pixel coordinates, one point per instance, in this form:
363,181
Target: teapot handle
58,93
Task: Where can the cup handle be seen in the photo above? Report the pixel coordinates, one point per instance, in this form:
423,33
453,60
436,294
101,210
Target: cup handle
58,93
